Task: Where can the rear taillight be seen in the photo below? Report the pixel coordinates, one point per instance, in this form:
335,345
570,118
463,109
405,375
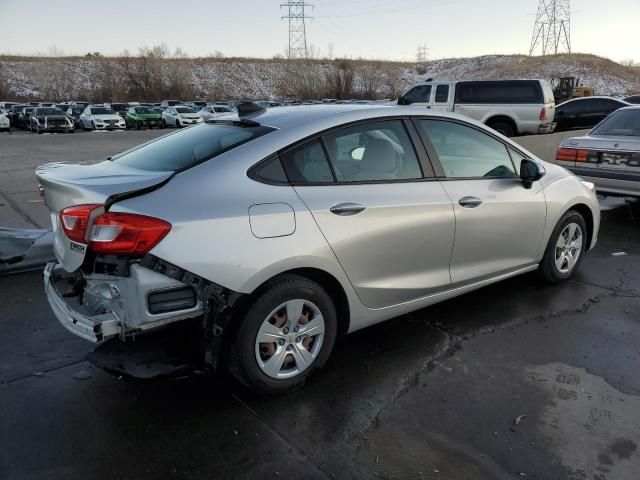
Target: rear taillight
113,232
543,114
126,233
572,154
75,220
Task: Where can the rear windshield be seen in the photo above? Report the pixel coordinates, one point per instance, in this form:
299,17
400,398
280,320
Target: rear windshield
190,147
623,122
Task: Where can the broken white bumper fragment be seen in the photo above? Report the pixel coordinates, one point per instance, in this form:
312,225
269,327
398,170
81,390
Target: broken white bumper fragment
97,307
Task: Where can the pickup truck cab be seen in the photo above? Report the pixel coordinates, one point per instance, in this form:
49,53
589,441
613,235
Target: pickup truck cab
511,107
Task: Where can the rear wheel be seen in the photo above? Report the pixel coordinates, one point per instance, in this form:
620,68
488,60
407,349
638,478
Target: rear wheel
565,249
503,128
286,334
138,125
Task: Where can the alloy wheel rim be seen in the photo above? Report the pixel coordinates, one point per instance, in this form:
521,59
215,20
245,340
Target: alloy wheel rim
568,248
289,339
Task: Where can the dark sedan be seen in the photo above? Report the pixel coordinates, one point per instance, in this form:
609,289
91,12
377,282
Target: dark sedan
14,113
585,112
609,155
50,119
24,118
74,112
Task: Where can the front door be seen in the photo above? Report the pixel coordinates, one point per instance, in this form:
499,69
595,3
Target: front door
389,227
499,223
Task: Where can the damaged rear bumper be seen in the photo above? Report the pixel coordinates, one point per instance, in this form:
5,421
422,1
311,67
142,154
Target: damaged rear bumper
97,307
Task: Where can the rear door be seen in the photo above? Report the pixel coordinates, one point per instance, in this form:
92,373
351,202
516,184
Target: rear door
442,98
390,226
499,223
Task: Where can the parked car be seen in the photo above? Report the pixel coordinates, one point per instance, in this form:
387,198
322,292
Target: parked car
99,117
74,112
139,117
7,105
14,113
46,104
120,108
196,104
609,155
635,99
275,233
511,107
169,103
585,112
5,125
24,118
180,116
214,111
50,119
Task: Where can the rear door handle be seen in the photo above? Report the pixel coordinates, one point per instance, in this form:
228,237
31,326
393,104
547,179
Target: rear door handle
470,202
347,209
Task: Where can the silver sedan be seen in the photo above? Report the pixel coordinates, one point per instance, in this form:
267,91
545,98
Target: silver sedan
609,155
268,234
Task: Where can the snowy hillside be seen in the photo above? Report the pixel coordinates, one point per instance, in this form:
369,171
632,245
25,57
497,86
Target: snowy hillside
151,79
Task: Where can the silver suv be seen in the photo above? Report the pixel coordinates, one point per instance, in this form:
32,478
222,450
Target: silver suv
268,234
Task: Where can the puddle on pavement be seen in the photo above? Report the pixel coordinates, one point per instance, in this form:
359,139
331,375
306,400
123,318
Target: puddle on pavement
594,429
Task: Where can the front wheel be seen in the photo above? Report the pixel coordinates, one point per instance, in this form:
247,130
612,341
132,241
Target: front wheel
565,249
286,334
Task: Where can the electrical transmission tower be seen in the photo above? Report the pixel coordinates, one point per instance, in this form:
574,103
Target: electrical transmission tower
297,16
552,30
421,56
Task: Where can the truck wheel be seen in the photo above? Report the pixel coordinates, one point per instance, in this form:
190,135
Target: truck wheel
285,334
503,128
565,249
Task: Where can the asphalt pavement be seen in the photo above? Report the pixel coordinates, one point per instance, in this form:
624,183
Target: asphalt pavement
517,380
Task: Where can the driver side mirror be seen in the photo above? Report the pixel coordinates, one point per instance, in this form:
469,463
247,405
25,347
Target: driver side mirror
530,172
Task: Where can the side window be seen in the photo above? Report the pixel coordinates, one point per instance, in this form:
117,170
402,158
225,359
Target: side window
307,163
465,152
442,93
418,94
373,152
271,171
516,158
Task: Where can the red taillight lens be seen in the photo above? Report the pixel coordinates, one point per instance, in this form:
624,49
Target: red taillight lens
74,221
543,114
126,233
582,155
572,154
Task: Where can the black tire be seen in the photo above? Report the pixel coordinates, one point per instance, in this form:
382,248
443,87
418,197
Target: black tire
163,124
93,125
548,268
240,353
504,128
138,126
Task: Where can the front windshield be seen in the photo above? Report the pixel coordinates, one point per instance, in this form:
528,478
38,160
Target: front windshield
144,110
101,111
624,123
49,111
185,110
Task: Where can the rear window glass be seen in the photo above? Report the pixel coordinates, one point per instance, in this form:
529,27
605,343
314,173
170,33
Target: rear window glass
499,92
189,147
622,123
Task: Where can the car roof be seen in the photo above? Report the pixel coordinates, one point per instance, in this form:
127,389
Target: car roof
288,117
595,97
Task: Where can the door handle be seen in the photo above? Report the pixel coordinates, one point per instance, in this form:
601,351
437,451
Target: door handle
470,202
347,209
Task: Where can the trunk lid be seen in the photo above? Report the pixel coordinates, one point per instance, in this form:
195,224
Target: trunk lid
64,185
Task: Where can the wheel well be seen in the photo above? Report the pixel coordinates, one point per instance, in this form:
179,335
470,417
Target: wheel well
502,118
585,211
326,280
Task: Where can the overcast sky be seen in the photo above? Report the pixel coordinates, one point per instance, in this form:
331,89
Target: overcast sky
381,29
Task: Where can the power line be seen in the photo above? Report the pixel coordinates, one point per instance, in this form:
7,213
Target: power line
297,17
421,55
552,28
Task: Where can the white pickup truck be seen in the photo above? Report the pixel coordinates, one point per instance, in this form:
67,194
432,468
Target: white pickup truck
511,107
